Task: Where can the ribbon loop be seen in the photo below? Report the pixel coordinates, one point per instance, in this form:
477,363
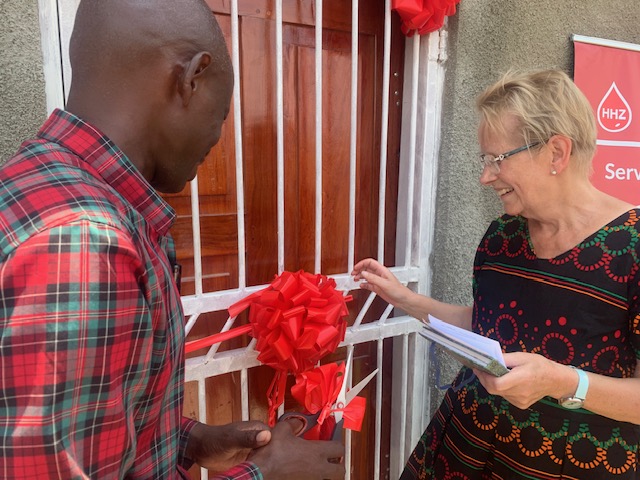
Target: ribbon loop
297,320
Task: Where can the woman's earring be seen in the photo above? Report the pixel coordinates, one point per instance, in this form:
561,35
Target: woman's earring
553,172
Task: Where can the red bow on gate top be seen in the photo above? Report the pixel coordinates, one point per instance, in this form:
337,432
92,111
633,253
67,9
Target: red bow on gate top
297,320
423,16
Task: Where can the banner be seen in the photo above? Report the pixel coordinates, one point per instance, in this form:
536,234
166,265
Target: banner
608,73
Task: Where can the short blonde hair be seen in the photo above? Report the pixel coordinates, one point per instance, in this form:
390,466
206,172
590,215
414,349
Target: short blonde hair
545,103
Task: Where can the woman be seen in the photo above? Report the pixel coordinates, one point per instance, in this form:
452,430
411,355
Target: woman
556,280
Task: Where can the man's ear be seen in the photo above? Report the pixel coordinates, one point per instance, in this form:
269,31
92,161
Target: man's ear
192,75
561,148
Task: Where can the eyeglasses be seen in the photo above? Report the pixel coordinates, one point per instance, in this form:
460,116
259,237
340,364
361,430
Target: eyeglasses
487,160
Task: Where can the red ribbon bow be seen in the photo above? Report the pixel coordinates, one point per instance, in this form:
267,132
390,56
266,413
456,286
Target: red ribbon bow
297,320
423,16
317,390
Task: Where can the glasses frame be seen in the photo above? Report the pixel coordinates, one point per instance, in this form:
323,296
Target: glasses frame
487,160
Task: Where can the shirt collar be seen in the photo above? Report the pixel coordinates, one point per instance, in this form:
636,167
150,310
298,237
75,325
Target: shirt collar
94,148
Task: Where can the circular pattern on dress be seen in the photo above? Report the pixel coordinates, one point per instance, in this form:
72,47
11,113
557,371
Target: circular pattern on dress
558,348
618,459
532,443
620,268
620,240
590,259
516,246
605,360
571,309
496,245
506,329
584,454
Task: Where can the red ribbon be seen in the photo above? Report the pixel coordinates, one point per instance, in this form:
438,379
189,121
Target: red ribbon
297,320
317,390
423,16
194,345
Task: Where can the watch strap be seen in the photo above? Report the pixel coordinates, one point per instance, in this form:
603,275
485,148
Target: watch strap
583,384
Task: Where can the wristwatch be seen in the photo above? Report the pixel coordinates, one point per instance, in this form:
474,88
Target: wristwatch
577,400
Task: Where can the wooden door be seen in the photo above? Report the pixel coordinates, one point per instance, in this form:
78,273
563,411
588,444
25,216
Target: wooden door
217,182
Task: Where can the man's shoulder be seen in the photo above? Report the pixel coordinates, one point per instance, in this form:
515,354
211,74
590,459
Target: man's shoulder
44,186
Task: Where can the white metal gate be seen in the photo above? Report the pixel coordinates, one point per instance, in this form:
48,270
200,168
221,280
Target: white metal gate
424,72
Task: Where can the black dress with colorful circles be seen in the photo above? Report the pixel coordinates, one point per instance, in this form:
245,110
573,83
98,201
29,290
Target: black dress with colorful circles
581,308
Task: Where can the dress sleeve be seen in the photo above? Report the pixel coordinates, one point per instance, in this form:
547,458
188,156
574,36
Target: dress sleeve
75,352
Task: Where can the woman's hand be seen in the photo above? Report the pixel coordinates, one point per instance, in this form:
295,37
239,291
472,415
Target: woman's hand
531,378
379,279
220,447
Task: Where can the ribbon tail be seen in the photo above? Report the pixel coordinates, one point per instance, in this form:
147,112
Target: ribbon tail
275,395
353,414
194,345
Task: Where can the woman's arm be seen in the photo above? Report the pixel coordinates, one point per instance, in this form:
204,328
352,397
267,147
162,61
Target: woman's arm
378,279
533,377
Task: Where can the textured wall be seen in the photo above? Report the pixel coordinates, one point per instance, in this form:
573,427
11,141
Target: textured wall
22,97
486,38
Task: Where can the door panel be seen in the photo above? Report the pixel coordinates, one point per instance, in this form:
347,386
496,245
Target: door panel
217,182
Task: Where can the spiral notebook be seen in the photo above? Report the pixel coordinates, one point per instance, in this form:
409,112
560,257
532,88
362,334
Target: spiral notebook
470,349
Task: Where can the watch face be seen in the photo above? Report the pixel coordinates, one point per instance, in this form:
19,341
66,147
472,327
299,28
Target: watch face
572,403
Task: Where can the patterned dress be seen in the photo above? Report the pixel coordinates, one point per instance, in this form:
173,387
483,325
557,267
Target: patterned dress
580,308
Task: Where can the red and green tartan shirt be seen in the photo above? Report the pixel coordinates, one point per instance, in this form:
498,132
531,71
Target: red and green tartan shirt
92,328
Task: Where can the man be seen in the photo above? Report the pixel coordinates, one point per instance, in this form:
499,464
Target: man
91,346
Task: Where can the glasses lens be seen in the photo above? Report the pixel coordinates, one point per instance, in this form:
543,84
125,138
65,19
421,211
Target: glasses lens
489,161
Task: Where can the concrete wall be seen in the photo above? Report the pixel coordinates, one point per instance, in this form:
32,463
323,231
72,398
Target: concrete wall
22,97
486,38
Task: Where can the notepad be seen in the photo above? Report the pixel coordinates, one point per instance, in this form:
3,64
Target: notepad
470,349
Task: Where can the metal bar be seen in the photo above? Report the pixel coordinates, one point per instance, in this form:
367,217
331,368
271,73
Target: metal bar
216,346
386,72
354,135
378,421
51,44
363,311
190,323
385,315
618,143
237,124
318,73
280,134
347,436
235,360
403,395
244,386
412,147
202,414
195,227
603,42
221,300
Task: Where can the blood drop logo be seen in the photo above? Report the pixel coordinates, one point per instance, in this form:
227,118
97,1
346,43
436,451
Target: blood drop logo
614,112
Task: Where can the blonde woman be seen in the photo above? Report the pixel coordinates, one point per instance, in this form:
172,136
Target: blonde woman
556,280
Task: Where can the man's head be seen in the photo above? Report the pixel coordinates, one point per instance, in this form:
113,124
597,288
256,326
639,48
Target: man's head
154,76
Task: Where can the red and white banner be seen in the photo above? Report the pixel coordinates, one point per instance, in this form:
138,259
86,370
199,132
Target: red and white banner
608,73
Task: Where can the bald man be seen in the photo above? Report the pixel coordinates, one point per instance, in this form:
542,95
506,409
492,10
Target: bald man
92,334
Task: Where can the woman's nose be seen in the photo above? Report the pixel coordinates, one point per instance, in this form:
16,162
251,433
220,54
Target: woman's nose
488,174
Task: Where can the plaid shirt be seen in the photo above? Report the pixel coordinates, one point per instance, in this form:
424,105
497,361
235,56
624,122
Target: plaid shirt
91,332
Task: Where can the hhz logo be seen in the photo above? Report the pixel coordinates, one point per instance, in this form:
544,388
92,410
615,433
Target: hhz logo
614,112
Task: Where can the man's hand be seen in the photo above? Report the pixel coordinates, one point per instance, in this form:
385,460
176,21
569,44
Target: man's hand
287,457
220,447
